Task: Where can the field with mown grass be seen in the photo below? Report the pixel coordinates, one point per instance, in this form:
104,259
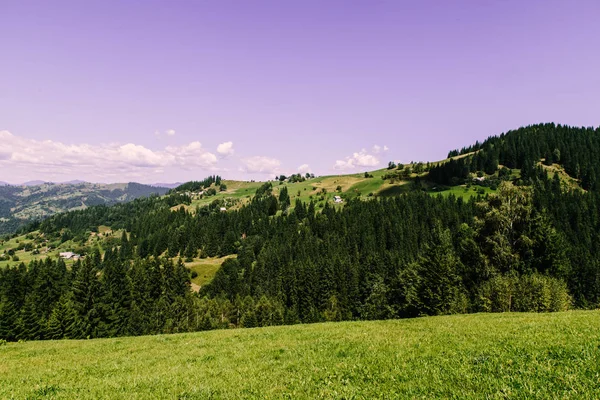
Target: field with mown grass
495,356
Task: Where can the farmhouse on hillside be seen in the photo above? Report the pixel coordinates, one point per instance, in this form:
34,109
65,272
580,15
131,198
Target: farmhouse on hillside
67,255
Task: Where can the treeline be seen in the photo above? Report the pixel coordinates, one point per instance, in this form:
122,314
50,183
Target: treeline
576,149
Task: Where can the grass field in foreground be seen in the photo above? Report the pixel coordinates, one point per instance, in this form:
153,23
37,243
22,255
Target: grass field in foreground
463,356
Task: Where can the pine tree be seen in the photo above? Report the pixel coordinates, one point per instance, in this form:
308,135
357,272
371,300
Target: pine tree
62,318
115,299
30,325
86,295
126,251
284,199
8,321
440,289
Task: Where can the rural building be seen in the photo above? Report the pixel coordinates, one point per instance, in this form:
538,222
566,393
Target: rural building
67,255
222,209
337,199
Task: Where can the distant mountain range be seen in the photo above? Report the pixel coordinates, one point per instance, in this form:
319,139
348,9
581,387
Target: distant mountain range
166,185
78,181
33,183
34,200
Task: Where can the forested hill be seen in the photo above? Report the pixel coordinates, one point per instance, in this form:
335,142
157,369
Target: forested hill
531,245
20,205
577,150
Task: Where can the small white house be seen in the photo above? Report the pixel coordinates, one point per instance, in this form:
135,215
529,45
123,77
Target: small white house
67,255
222,209
480,178
337,199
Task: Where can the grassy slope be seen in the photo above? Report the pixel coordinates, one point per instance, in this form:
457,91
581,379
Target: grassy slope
206,268
27,256
463,356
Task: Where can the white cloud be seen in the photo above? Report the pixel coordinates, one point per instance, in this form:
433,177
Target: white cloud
304,168
260,164
140,156
342,165
378,149
113,159
359,159
225,149
191,154
170,132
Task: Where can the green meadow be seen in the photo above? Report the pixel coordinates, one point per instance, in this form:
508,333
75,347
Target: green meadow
478,356
205,269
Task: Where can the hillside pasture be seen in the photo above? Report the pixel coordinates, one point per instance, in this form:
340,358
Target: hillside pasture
206,268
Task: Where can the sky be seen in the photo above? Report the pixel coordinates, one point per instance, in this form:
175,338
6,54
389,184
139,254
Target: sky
166,91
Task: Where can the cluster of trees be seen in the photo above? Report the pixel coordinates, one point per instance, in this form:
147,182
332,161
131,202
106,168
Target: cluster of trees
527,247
295,177
407,256
96,298
194,186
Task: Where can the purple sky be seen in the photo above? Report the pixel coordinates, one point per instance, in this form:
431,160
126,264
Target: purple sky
91,89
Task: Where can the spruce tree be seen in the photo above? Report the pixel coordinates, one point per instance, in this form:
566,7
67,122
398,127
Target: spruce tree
8,321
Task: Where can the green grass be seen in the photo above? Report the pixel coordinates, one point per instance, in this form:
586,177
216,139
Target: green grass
493,356
24,256
464,191
206,268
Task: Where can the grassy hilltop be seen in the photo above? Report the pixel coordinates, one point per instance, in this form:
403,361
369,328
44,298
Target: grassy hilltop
474,356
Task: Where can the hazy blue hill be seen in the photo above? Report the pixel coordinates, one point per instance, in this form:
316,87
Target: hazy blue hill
33,183
166,185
